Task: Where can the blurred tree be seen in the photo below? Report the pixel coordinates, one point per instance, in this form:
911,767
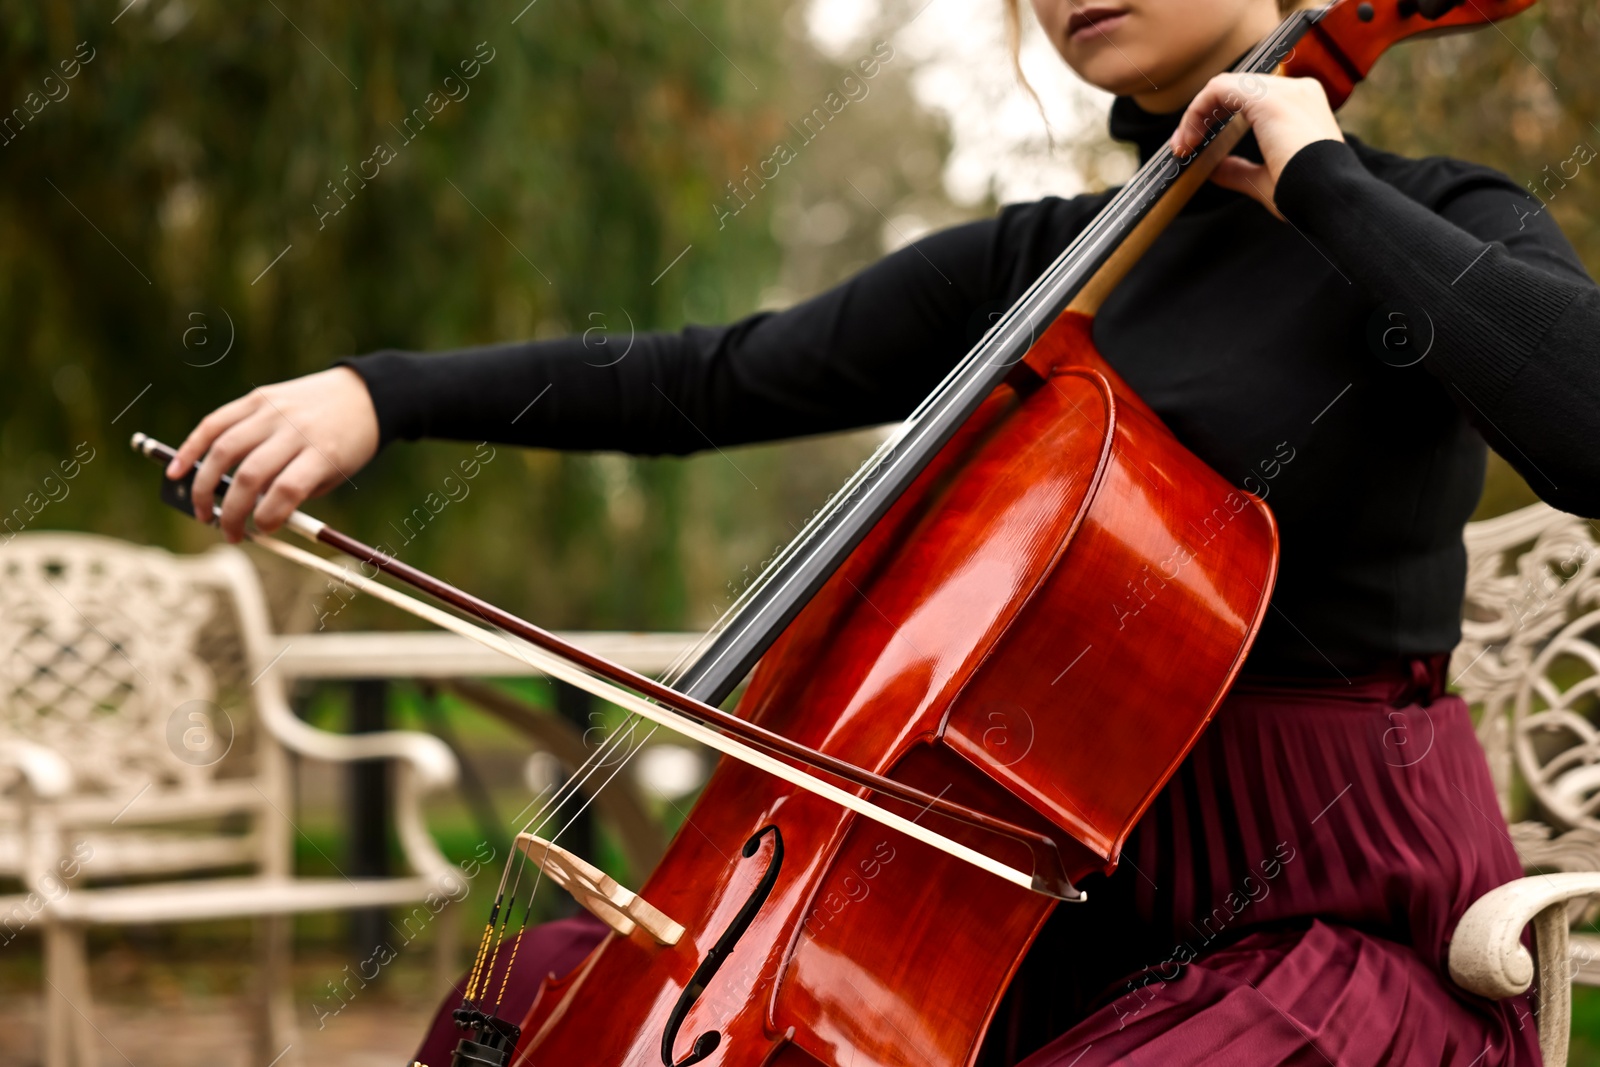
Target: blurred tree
225,196
203,205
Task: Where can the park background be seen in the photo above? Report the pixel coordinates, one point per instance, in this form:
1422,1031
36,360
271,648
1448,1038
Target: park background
168,241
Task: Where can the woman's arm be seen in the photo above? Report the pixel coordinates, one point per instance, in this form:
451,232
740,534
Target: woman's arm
865,352
1513,319
862,353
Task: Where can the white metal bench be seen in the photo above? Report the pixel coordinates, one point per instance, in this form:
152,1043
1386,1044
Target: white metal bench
109,652
1530,661
145,736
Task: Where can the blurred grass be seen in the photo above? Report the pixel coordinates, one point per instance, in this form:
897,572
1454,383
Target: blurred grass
1585,1027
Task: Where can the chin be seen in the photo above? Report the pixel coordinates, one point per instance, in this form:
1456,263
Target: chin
1152,48
1114,76
1121,73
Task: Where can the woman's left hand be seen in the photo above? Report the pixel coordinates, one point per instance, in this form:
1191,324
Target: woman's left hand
1286,114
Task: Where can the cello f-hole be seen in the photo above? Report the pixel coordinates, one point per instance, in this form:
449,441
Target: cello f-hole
707,1043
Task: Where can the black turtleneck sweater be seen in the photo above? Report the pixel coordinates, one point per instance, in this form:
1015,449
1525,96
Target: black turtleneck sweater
1347,365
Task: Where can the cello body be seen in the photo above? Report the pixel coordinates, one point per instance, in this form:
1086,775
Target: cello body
1040,628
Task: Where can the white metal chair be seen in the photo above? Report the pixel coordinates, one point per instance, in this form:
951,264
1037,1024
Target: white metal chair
145,746
1530,659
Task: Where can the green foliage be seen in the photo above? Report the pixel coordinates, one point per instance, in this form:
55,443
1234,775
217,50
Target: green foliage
1585,1050
280,176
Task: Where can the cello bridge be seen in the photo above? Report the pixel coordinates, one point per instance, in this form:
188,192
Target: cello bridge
603,896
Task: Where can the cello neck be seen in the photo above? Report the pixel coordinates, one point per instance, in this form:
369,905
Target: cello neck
1085,272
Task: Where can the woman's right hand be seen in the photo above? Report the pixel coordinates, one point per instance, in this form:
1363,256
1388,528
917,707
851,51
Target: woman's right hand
289,442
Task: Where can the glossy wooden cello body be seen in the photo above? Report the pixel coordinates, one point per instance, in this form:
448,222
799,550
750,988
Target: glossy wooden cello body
1039,627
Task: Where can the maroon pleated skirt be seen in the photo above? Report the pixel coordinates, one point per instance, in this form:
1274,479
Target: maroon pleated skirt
1288,899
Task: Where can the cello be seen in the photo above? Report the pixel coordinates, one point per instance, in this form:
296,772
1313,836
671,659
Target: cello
959,625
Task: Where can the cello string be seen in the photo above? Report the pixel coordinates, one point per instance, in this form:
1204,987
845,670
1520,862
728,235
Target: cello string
1131,199
521,858
483,941
573,782
494,638
595,761
556,805
484,944
622,736
553,665
549,811
757,757
528,909
1145,180
1123,209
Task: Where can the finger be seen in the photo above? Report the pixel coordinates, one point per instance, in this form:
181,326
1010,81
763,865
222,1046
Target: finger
1252,179
306,476
1202,115
1207,113
209,429
224,454
255,473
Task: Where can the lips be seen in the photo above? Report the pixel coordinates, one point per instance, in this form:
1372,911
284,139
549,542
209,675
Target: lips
1087,22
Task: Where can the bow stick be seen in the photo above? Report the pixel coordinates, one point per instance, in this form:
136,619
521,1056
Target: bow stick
649,699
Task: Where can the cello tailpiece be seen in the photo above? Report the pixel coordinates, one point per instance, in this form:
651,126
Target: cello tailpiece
491,1044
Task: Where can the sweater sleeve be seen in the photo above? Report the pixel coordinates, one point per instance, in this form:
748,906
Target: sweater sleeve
863,353
1513,319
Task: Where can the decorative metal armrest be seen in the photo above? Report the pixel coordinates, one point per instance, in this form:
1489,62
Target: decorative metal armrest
429,760
46,773
1487,956
430,757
